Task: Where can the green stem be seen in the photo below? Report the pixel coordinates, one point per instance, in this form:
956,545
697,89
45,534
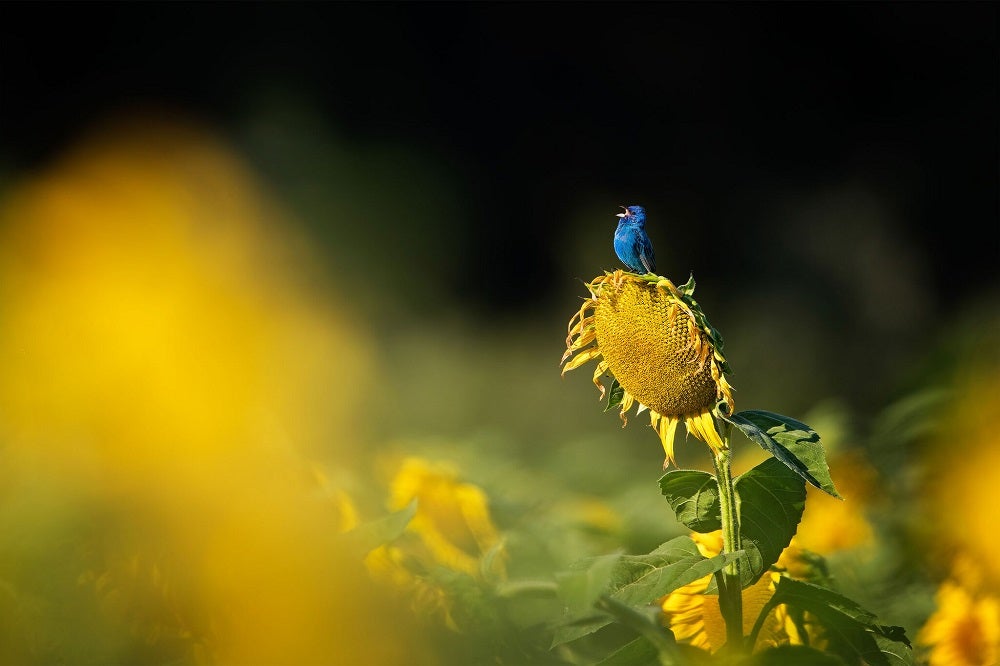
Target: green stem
730,587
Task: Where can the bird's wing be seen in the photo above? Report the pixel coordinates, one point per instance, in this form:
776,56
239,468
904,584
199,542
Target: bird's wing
646,257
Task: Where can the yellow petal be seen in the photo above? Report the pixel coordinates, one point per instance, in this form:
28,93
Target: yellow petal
581,358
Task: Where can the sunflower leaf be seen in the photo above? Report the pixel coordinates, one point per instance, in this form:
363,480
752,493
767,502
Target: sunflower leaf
630,579
645,622
615,395
771,501
854,632
638,652
641,652
583,584
688,287
800,655
792,442
694,497
642,579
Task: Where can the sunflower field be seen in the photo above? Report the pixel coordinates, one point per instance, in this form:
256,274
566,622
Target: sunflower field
315,350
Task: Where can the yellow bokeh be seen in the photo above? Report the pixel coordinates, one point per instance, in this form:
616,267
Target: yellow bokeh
957,523
452,519
964,629
957,500
830,525
168,382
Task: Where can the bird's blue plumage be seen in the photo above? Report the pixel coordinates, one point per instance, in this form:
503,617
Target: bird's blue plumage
631,242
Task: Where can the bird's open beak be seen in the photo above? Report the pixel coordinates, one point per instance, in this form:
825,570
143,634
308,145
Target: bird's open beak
622,214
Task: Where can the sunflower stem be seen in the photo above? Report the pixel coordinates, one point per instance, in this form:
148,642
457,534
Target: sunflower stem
730,587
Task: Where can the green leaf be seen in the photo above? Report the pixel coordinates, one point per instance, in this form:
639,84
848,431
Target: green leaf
792,442
643,579
634,580
854,632
381,531
688,287
800,655
694,497
585,582
615,395
639,652
645,622
771,501
642,652
897,651
579,627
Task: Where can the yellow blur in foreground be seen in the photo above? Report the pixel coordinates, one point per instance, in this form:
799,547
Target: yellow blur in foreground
959,531
165,386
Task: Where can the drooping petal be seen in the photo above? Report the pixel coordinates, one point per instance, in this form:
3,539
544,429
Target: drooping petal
581,358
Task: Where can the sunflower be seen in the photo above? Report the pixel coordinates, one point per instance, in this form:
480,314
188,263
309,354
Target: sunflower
662,353
964,630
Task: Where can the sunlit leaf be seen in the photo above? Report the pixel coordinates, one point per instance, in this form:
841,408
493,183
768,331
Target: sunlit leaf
694,497
792,442
771,500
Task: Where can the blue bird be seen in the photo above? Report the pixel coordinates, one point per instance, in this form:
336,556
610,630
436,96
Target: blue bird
631,242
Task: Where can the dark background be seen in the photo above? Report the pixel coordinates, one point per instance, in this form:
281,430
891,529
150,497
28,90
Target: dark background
835,162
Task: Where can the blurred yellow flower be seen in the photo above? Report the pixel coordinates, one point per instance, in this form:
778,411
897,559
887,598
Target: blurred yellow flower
957,504
659,348
168,380
830,525
964,630
452,528
453,518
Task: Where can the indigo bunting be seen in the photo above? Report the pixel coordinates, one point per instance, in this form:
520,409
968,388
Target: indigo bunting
631,242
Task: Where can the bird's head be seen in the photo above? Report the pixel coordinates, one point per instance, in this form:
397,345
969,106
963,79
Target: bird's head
636,214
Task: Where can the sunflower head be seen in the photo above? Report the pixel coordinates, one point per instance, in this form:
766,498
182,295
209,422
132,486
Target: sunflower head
657,344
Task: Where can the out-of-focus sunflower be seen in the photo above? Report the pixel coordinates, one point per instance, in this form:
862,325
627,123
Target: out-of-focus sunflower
957,507
452,529
656,342
959,518
830,525
168,382
453,517
965,628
